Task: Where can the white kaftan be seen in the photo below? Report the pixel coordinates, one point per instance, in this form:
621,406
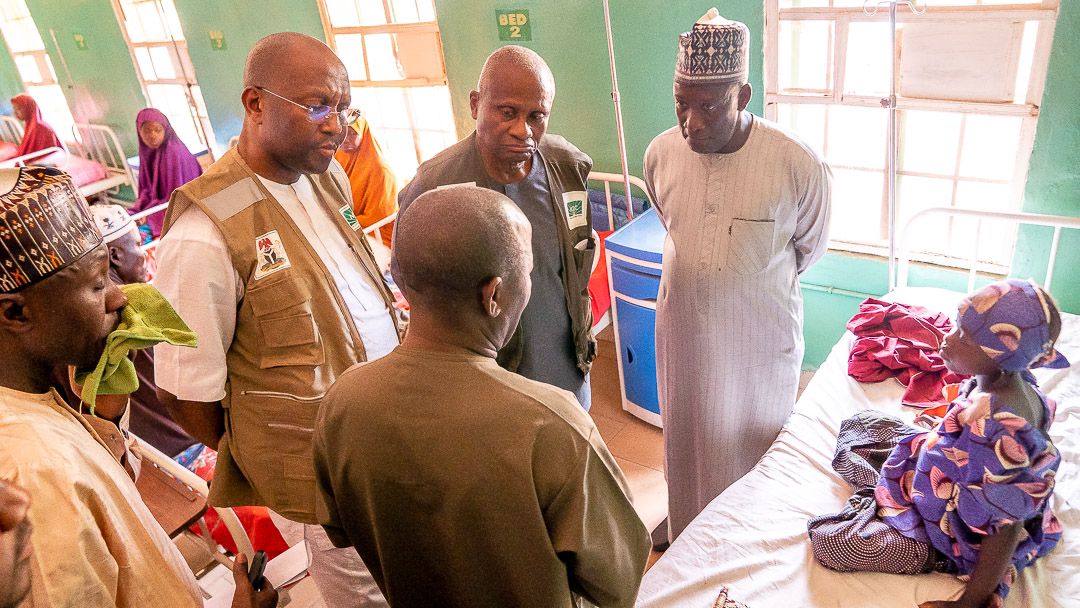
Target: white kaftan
729,346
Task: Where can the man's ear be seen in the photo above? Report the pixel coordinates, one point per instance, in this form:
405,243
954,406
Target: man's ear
251,99
116,256
745,93
474,103
13,317
491,296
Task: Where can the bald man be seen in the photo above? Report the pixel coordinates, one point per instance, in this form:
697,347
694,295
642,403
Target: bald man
458,482
264,259
511,153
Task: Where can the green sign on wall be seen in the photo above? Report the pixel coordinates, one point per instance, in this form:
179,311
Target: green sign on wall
217,40
514,24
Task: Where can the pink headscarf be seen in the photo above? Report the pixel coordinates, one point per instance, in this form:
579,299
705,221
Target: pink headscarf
37,135
162,170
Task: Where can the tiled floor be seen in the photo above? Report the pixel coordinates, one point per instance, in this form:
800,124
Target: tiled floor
638,446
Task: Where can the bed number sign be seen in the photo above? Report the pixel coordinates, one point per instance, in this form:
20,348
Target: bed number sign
514,25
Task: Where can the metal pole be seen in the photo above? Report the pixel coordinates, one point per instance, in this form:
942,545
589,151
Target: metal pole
890,104
618,115
892,146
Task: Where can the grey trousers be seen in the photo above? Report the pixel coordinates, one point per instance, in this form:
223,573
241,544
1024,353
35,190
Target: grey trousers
341,576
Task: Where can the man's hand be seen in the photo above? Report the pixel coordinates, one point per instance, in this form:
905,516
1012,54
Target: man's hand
109,407
245,595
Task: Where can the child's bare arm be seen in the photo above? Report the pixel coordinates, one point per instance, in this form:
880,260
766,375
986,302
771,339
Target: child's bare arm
995,554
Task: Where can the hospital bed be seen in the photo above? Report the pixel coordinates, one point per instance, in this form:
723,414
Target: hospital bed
99,145
94,161
752,538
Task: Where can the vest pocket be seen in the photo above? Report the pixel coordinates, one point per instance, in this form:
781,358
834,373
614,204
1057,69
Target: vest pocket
290,340
287,329
750,245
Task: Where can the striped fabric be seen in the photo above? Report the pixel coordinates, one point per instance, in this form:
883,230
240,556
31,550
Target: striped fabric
855,539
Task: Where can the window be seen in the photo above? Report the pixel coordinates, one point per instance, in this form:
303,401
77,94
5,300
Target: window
969,80
35,67
159,50
394,56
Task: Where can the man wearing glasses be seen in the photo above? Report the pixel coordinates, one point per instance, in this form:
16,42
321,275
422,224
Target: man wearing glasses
264,260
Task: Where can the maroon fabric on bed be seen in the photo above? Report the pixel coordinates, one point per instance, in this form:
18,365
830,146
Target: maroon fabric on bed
894,340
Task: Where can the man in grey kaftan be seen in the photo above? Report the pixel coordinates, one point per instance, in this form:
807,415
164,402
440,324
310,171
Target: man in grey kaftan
746,206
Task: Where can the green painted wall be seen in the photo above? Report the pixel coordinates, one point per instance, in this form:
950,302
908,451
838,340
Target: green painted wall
100,82
570,36
243,22
1053,184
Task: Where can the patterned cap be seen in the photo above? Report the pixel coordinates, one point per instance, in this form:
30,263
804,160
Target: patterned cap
716,50
112,220
44,226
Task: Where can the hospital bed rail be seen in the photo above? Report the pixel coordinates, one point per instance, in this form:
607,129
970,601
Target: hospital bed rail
99,143
22,161
1057,222
11,129
617,178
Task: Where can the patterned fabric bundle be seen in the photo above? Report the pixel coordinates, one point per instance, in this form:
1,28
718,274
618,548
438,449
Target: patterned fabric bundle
855,539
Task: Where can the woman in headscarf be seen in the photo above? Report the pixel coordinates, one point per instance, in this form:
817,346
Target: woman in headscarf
374,186
37,134
165,164
971,496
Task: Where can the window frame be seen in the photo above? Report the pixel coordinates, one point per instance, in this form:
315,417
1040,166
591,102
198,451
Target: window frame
331,33
45,68
185,76
1044,12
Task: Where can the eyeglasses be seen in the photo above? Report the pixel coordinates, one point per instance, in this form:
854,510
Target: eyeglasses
321,113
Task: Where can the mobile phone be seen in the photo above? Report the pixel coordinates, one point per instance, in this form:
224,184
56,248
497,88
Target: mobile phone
255,570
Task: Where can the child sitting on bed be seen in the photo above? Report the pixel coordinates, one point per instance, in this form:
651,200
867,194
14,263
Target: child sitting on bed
970,496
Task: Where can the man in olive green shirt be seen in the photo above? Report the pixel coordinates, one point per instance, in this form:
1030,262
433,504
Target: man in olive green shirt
460,483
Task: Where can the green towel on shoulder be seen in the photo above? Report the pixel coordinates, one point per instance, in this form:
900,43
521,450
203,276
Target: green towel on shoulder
147,320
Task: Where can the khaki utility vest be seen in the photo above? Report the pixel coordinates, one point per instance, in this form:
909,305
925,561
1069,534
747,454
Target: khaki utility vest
294,335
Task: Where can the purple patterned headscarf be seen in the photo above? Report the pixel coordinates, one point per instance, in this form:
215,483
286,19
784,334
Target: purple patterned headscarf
1010,321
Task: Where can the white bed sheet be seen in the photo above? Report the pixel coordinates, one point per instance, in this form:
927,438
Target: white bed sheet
753,539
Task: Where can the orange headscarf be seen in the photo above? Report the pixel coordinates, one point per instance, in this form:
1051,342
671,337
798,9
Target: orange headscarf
374,185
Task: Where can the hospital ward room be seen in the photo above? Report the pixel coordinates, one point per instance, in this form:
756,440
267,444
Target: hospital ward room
540,303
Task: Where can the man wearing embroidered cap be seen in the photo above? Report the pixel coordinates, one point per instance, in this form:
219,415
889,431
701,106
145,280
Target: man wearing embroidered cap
94,541
746,207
